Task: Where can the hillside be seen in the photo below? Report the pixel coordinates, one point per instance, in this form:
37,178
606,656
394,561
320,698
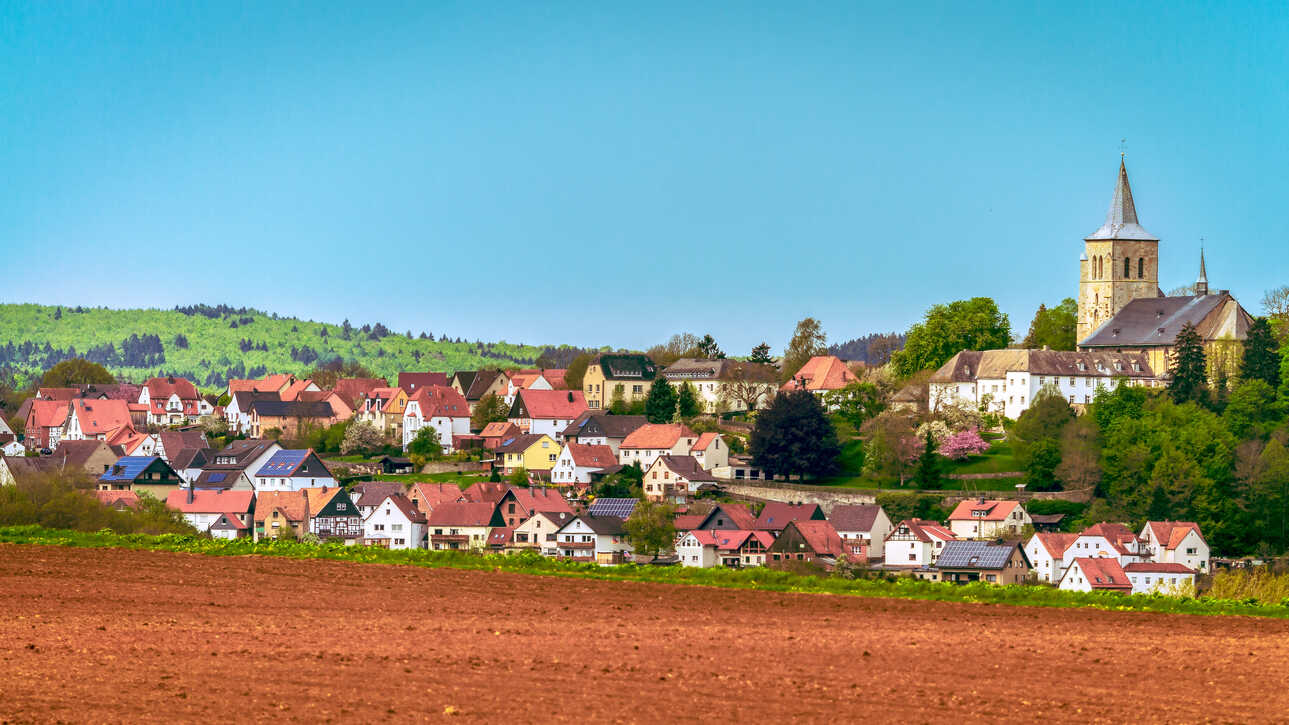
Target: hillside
212,344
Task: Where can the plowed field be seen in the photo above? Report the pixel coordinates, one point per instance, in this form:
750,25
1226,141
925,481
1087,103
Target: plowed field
121,636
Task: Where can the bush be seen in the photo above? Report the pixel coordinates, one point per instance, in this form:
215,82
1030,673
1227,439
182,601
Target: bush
66,500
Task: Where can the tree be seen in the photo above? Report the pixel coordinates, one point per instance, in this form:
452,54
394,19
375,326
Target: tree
70,373
518,477
794,436
761,355
856,403
1251,406
1080,465
576,370
618,401
708,348
1054,328
660,406
426,444
748,383
361,437
1036,438
807,341
687,403
946,330
684,344
1276,304
490,409
962,445
927,473
1041,462
626,483
326,375
890,446
1189,371
1261,354
651,528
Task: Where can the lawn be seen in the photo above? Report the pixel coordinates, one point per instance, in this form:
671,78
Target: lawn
464,480
998,459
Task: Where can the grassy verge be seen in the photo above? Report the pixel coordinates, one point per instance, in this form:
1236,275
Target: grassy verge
461,479
758,579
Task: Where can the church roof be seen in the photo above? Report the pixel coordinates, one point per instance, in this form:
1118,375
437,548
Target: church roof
1155,321
1121,219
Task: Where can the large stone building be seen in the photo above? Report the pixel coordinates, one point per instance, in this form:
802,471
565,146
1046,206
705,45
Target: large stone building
1123,310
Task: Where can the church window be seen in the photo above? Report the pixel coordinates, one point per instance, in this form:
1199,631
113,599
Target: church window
1141,267
1127,267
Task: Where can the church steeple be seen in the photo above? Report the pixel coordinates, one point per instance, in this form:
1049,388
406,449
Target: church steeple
1121,219
1201,284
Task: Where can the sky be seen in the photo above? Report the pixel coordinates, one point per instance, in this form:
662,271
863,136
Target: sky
613,173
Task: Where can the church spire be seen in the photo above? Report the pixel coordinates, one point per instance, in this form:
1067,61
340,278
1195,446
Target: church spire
1201,284
1121,219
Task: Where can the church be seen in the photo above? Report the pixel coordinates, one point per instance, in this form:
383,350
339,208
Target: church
1123,310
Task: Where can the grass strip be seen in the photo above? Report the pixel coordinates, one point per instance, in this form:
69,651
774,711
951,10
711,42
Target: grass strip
760,578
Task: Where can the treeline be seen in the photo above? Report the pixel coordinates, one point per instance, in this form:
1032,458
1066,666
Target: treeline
874,350
135,351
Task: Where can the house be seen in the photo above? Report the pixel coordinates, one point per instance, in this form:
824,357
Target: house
617,376
1049,554
426,496
1151,577
412,382
297,388
1176,542
437,407
46,420
727,517
538,531
202,508
475,385
367,495
275,383
811,541
141,474
238,411
1103,540
601,539
354,391
286,419
1007,381
821,374
341,409
697,548
462,526
711,451
234,466
675,479
395,523
1095,574
619,507
862,522
530,452
395,465
916,543
985,519
519,380
546,412
383,408
277,512
600,429
92,419
173,444
333,515
993,562
731,548
575,463
118,500
292,470
494,433
171,400
725,385
94,457
775,516
133,443
651,440
228,527
518,504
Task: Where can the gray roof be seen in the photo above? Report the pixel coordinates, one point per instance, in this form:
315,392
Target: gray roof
627,366
604,525
1153,320
970,365
293,408
854,517
1121,219
688,467
975,555
612,426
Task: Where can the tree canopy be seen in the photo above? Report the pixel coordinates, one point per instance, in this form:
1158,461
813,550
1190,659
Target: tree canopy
1189,370
1261,359
761,355
491,408
660,406
70,373
946,330
794,436
807,341
1055,327
687,403
651,529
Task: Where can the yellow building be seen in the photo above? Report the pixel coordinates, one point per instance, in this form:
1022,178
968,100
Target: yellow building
531,452
626,374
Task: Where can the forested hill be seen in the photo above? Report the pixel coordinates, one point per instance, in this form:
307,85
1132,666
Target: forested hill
212,344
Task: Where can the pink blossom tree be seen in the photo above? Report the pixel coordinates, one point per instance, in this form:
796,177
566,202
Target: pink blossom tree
959,446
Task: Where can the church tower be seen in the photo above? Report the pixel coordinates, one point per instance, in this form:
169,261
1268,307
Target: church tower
1120,262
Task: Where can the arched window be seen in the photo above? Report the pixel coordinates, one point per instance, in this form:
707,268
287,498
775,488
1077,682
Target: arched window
1141,267
1127,267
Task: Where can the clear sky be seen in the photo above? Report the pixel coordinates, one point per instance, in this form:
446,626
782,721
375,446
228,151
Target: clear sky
612,173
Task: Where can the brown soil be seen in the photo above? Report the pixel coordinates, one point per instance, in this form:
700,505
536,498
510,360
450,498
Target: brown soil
118,636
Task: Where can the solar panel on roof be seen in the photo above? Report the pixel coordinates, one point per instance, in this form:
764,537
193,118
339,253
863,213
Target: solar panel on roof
216,477
619,507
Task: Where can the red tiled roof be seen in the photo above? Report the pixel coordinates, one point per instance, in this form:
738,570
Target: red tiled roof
1170,534
591,456
1118,535
1056,544
540,499
116,499
48,413
440,401
489,491
991,510
462,514
704,440
210,501
737,513
553,404
820,536
163,388
268,384
293,390
292,504
555,376
926,530
776,516
430,495
689,522
823,372
57,393
499,429
353,390
1104,574
98,417
657,435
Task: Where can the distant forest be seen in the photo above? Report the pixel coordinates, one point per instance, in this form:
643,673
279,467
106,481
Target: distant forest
874,350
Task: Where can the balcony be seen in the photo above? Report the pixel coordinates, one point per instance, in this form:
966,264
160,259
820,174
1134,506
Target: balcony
580,545
449,538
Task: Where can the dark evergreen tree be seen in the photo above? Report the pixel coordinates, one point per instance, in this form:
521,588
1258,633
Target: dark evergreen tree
708,348
660,407
687,401
927,473
1261,354
794,436
761,355
1189,370
181,342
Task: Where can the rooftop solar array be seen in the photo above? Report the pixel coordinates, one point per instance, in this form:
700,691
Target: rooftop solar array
619,507
127,468
974,554
283,463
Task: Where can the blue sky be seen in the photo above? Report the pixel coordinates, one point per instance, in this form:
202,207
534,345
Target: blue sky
600,175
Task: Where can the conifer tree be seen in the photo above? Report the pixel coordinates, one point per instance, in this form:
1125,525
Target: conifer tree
1189,373
761,355
795,436
660,407
927,473
1261,354
687,401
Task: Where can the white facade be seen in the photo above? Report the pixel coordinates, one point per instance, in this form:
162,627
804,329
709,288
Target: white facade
1162,582
566,471
1045,566
1096,546
907,550
693,552
553,427
986,528
577,532
13,448
388,522
444,426
292,483
876,538
512,390
538,532
1192,551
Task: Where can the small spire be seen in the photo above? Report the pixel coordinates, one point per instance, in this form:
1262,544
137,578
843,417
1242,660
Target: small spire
1121,219
1201,284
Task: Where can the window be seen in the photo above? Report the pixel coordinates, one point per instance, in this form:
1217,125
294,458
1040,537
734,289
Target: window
912,557
1141,267
1127,267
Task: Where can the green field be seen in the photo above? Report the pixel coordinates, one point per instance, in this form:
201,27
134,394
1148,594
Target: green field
464,480
998,459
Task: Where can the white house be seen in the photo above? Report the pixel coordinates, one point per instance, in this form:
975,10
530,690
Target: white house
711,451
520,380
538,531
1049,555
438,407
172,400
644,444
1006,381
1103,540
292,470
202,508
697,548
1163,578
1176,542
94,419
985,519
13,448
547,412
1095,574
395,524
601,539
915,543
576,463
725,385
862,522
238,411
